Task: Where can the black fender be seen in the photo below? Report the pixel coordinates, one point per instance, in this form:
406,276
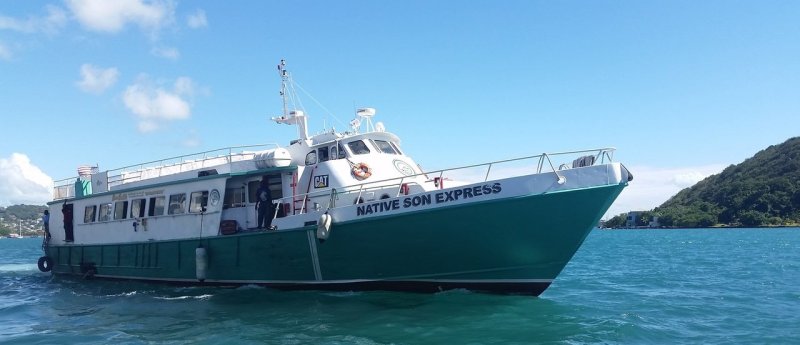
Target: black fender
45,264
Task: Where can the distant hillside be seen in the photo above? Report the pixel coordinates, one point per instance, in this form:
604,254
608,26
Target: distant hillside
31,212
26,218
762,190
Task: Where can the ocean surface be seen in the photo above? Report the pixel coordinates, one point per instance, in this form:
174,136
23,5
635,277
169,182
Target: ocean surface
701,286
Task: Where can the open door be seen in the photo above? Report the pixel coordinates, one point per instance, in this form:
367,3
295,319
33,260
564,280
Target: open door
66,210
275,187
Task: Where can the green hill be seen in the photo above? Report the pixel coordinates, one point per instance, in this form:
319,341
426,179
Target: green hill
762,190
23,211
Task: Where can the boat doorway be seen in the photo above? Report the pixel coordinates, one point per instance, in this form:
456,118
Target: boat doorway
66,211
253,184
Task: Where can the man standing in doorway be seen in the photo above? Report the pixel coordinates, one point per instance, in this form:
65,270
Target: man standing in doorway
264,204
66,210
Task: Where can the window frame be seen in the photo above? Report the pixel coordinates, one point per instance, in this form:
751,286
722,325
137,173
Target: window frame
176,199
311,157
383,148
203,199
93,214
108,214
323,155
351,146
154,206
142,202
123,210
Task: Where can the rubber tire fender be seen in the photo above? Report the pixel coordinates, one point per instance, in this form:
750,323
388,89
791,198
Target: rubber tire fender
45,264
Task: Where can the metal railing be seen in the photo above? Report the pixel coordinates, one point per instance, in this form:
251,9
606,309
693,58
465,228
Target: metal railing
601,156
65,188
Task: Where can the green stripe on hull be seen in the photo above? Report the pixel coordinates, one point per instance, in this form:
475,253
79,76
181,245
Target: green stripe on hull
519,239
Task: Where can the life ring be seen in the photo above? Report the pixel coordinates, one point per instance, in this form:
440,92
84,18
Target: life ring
45,264
362,171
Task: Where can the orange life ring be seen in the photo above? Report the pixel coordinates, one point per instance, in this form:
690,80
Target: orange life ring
362,171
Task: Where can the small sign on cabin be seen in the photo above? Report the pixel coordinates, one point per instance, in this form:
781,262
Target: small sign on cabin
321,181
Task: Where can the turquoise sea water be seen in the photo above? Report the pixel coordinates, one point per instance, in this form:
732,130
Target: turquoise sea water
738,286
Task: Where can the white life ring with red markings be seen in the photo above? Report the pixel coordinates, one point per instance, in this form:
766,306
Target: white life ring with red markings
362,171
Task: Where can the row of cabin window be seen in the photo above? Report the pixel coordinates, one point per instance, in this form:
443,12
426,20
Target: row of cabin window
156,206
358,147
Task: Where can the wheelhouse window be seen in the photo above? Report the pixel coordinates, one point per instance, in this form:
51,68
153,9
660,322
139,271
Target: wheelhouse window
137,208
120,210
342,154
89,214
323,154
156,206
198,201
358,147
337,152
105,213
396,147
177,204
311,158
385,147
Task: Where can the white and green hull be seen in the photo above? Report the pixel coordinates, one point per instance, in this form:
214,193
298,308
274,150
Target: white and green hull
515,239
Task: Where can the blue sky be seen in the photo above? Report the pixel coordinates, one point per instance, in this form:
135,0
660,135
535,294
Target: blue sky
681,88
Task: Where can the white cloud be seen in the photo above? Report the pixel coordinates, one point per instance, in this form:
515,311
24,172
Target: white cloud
197,19
153,105
55,19
113,16
22,182
166,52
653,186
95,79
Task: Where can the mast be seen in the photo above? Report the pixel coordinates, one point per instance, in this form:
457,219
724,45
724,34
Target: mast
284,78
294,117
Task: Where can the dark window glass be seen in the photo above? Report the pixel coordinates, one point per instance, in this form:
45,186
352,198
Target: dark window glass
89,214
177,204
156,206
385,147
322,154
105,213
137,208
358,147
120,210
198,201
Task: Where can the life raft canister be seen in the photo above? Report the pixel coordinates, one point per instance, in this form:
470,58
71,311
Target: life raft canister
45,264
362,171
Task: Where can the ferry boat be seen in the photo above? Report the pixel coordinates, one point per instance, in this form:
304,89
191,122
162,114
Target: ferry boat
348,211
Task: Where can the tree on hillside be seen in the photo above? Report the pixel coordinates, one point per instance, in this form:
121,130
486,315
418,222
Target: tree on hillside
762,190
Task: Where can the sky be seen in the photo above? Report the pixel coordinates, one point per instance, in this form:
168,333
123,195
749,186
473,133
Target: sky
681,89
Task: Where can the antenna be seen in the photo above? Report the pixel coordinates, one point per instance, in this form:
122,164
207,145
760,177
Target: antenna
294,117
284,79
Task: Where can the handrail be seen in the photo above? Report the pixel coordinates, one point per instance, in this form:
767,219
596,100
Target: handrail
360,188
62,188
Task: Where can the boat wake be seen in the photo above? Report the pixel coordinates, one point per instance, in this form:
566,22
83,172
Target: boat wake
18,267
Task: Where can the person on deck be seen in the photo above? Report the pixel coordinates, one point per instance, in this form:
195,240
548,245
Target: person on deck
46,224
264,204
66,210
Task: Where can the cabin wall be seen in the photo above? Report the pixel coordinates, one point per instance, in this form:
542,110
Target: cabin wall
183,222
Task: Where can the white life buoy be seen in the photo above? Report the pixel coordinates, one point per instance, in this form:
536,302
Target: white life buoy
362,171
324,226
